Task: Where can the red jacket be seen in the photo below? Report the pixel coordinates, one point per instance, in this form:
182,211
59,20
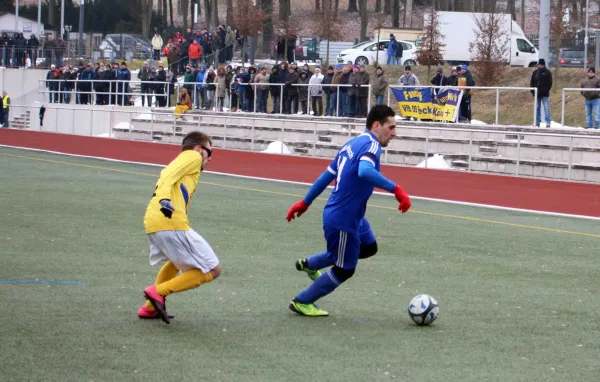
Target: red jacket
195,51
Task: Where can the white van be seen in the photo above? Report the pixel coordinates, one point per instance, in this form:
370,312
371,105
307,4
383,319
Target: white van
458,29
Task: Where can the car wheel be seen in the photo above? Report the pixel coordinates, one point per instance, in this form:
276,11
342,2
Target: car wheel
410,62
362,61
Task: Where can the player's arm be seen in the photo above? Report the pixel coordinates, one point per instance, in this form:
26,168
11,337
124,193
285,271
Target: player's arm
315,190
367,171
172,174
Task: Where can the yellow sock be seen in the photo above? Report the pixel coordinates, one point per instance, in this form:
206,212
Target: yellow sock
185,281
167,272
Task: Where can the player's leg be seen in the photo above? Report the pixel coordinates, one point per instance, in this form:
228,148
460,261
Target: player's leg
368,243
193,256
166,273
344,247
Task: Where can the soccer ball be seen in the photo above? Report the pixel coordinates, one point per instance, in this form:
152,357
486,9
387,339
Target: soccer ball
423,309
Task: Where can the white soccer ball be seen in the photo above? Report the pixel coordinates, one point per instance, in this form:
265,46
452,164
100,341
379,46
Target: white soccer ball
423,309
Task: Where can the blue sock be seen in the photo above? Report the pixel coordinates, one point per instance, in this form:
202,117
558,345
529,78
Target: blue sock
319,261
325,284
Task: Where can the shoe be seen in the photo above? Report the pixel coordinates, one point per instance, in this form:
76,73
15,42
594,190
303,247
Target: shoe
310,310
148,314
158,302
301,266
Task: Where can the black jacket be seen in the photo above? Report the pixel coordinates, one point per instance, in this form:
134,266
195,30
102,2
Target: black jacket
542,80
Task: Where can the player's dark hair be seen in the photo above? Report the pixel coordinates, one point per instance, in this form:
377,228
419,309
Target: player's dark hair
379,113
193,139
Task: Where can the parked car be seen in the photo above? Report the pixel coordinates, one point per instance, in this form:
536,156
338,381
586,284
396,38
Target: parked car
573,58
366,53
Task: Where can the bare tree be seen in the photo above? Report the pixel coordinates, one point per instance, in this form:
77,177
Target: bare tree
165,13
364,19
378,23
207,12
327,26
146,15
488,51
229,17
387,6
248,19
431,42
396,13
268,32
171,12
215,13
557,27
352,8
184,4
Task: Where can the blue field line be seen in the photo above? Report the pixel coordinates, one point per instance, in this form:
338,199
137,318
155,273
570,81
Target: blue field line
42,282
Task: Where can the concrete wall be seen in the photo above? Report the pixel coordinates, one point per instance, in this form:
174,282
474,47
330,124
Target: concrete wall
22,85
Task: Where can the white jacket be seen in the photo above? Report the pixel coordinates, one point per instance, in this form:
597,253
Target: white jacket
316,79
157,43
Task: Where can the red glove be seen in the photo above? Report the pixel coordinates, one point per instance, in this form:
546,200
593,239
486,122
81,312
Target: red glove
402,198
298,208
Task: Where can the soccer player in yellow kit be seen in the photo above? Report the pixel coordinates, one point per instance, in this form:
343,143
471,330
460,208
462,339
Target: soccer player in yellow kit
171,238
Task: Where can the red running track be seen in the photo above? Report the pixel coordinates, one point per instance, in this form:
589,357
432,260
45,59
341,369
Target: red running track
505,191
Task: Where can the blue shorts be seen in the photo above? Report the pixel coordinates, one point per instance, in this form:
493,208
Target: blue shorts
344,247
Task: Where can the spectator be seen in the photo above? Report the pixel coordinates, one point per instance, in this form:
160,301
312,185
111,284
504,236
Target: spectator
159,90
84,86
303,91
592,99
541,79
123,76
391,50
465,79
316,92
262,91
408,78
5,109
146,87
329,92
291,91
60,48
275,89
185,103
32,44
195,52
380,85
362,93
210,88
200,88
338,103
453,79
229,43
439,80
221,81
157,43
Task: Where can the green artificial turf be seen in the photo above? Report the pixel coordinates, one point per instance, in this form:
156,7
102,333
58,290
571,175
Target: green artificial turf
518,295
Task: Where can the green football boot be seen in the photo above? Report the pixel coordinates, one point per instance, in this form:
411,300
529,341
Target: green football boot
301,266
310,310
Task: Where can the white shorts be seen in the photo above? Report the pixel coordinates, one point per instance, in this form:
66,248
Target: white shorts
186,249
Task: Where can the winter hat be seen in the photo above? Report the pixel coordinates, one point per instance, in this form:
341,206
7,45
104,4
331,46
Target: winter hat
330,67
440,70
407,67
542,62
339,66
592,69
379,67
463,67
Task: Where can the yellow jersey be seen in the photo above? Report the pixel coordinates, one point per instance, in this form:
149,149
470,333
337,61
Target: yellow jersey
177,182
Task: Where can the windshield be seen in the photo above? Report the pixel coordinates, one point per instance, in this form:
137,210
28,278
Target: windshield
362,44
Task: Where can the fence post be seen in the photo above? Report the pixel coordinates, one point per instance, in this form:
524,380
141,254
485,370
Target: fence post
252,137
570,156
92,123
470,149
519,150
151,125
389,92
254,86
535,106
73,121
562,113
282,136
315,139
497,104
369,101
281,100
131,124
337,101
426,146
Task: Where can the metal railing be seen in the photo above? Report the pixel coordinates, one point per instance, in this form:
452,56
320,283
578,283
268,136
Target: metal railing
63,114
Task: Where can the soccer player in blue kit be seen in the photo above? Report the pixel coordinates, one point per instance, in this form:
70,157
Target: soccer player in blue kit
347,232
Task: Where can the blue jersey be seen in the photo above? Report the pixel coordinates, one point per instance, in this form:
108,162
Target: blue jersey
348,201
